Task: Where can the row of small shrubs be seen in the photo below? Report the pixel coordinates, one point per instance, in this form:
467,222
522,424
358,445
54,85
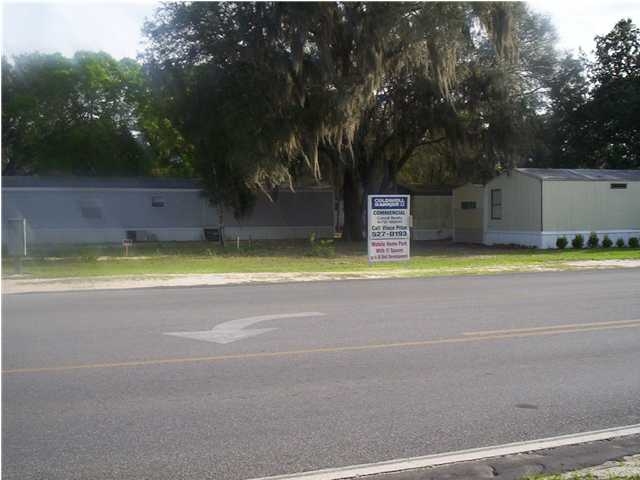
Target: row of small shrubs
593,242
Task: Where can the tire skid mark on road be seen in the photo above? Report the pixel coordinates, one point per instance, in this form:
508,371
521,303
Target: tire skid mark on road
339,349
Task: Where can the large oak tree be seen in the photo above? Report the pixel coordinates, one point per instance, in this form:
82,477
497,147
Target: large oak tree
263,89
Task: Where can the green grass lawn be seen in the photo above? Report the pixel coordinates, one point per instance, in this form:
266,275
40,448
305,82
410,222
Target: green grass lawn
428,258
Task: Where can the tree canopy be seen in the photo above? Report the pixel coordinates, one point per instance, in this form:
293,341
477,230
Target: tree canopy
347,90
89,115
612,112
595,117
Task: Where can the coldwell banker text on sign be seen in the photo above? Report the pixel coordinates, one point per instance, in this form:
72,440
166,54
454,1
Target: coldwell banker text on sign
389,221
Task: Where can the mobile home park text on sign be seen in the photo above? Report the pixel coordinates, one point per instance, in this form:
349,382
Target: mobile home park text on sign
389,235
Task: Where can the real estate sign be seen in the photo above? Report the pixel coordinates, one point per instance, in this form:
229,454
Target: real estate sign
389,222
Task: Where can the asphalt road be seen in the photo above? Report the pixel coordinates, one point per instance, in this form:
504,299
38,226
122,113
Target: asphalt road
93,388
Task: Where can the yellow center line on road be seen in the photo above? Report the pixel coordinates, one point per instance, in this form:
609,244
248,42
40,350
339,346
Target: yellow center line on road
286,353
552,327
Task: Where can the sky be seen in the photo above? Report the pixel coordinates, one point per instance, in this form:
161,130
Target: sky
115,27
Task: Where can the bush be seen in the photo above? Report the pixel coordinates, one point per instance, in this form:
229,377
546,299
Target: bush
620,242
606,242
633,242
593,240
562,242
578,241
321,248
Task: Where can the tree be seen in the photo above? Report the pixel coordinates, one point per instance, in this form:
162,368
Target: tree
617,54
596,106
89,115
267,82
493,121
612,115
34,93
500,102
564,125
317,84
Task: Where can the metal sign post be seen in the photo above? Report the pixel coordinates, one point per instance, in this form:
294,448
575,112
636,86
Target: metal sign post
389,222
126,243
17,241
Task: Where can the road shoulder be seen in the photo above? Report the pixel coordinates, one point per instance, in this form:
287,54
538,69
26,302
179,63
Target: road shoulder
11,285
571,458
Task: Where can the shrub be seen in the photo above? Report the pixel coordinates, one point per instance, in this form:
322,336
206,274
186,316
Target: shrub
633,242
620,242
562,242
578,241
321,248
593,240
606,242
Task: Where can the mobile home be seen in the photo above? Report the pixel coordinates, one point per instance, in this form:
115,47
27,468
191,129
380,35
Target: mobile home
534,207
79,210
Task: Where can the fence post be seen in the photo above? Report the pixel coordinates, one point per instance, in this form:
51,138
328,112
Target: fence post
16,237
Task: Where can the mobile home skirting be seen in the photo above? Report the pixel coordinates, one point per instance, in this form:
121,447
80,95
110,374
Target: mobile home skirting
54,236
431,233
548,239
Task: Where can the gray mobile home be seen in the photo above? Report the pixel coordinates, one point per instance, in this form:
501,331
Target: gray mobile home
78,210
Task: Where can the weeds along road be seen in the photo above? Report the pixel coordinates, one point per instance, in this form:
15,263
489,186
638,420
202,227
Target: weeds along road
246,381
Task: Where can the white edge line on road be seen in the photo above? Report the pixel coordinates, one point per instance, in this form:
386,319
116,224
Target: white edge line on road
459,456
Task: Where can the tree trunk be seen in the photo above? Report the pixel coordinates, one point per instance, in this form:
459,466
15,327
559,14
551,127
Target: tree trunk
353,198
355,193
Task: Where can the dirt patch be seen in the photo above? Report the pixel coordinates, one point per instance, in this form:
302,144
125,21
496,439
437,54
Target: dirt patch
30,285
139,257
24,285
605,264
625,468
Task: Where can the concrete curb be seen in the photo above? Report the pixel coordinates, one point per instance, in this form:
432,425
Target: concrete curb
415,463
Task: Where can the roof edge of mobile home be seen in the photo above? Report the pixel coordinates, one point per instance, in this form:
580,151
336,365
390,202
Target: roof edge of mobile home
141,183
581,174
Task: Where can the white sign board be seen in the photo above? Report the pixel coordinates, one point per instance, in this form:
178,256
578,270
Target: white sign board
389,221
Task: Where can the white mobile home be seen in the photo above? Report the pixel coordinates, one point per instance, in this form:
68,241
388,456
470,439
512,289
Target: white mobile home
68,210
533,206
